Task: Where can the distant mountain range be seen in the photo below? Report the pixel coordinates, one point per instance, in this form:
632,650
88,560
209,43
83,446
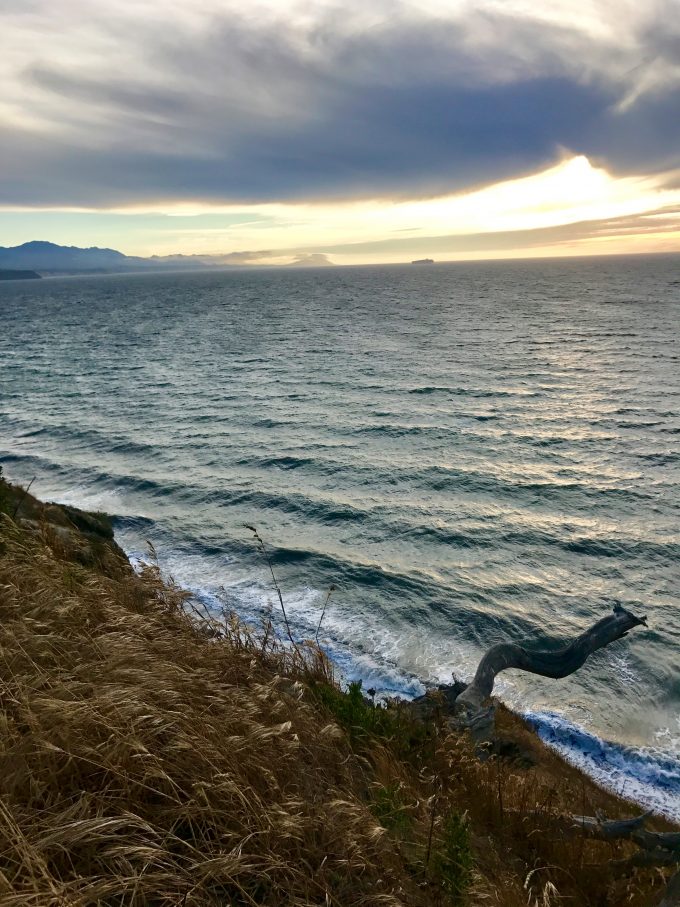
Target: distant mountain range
49,258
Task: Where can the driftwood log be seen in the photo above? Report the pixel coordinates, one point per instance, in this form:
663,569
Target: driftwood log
556,663
656,848
472,709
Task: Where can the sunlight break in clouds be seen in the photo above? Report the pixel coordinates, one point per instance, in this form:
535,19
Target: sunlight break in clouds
334,124
573,191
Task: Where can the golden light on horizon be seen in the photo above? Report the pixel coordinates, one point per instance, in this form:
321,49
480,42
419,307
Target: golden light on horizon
573,191
570,192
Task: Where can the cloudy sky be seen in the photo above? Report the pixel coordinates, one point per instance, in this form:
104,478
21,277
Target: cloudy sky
366,130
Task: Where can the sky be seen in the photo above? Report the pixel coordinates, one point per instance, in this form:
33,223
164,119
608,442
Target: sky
380,130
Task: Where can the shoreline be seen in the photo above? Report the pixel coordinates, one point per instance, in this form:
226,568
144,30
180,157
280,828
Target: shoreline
380,758
605,762
610,764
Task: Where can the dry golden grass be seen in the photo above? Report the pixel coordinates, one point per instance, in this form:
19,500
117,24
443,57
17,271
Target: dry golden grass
144,763
149,757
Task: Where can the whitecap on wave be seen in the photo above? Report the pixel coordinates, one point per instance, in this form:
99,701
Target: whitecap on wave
645,775
399,666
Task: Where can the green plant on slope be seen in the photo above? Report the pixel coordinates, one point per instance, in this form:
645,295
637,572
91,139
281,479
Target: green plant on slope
4,494
361,717
390,809
452,860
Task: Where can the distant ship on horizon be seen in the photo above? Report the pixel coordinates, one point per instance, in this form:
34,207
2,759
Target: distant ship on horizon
423,261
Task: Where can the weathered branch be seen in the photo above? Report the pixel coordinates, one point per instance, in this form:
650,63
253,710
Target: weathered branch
657,849
672,894
643,859
631,830
609,829
556,663
653,842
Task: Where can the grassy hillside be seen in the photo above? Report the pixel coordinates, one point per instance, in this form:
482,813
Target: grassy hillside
151,756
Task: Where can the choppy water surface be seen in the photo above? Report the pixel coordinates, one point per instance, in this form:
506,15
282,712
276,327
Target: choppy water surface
469,452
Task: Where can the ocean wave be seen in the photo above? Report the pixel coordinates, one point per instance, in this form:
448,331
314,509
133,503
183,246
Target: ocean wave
398,430
645,775
385,522
288,461
319,510
592,545
639,425
667,458
548,491
429,389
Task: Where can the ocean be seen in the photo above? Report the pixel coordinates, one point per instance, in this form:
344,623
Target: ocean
468,452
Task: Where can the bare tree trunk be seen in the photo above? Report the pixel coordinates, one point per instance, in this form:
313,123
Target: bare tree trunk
558,663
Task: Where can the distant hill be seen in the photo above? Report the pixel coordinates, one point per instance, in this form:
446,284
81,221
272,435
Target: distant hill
18,275
50,258
47,257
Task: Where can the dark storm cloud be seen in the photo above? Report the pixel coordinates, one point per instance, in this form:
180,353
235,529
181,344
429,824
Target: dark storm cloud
234,111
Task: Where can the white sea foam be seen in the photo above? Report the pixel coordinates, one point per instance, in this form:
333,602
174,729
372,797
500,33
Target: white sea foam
82,496
645,775
400,665
405,664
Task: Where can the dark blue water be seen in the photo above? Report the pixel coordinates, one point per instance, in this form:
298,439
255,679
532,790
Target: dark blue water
469,452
